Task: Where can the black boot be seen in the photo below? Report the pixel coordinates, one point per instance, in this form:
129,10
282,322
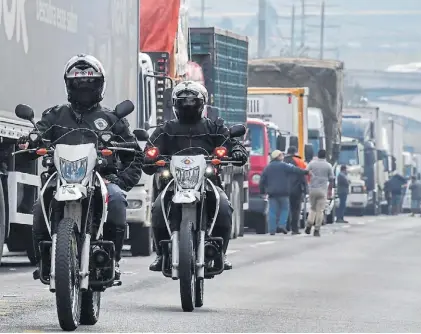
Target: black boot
156,265
226,237
118,245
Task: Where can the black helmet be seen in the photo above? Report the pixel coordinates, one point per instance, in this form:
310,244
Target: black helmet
84,76
189,99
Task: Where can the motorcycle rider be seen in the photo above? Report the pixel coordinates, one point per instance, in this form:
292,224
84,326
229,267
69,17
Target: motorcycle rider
192,129
84,77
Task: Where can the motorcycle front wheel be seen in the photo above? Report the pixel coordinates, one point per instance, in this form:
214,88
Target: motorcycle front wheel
68,295
187,259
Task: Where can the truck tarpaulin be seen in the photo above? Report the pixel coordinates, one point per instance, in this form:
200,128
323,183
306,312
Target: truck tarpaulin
324,78
158,25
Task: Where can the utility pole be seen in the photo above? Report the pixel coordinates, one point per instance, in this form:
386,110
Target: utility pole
202,17
262,29
303,27
322,29
292,31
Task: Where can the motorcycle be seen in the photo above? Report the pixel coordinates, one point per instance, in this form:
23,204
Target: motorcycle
77,264
192,254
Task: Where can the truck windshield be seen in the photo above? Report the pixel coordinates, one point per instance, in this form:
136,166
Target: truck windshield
272,134
348,155
316,144
355,128
255,138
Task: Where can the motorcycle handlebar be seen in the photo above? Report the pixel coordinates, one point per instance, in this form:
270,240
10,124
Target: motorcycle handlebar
124,145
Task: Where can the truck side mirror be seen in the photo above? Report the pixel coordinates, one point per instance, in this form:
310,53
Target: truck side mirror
380,155
293,141
308,152
281,143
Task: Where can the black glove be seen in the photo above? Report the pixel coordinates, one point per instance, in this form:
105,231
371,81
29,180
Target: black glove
239,156
112,178
23,140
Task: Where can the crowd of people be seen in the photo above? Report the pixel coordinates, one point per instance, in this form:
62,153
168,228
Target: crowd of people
287,179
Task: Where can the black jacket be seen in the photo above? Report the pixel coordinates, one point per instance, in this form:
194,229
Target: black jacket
59,120
297,182
173,136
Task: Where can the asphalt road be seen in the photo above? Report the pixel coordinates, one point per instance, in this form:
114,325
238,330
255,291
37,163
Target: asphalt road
360,277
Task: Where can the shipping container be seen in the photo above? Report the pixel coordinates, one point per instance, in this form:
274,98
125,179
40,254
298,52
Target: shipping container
223,57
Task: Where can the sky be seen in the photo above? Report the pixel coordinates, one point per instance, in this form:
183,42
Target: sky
365,34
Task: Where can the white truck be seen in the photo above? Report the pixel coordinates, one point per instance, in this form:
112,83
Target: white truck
352,156
316,129
395,134
366,125
36,40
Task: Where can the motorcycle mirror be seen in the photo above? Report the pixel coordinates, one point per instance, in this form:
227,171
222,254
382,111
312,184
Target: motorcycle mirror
146,126
123,109
237,130
25,112
141,134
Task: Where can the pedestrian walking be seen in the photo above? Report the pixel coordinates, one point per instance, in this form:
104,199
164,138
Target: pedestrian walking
321,175
298,187
274,183
415,188
343,190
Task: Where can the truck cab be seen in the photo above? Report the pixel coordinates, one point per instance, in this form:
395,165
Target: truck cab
140,197
352,156
256,140
316,129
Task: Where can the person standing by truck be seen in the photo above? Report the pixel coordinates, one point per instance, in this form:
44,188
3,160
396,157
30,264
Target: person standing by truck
343,190
298,187
321,175
415,188
274,182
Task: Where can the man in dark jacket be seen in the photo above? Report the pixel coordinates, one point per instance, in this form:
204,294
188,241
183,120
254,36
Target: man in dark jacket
274,182
415,188
193,133
343,190
394,187
297,186
85,84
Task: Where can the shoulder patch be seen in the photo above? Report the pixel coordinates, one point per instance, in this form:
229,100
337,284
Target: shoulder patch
101,124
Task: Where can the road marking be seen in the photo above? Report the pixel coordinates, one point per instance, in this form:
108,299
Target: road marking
231,251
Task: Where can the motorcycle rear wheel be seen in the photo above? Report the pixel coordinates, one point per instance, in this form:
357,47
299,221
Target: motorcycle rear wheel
187,258
68,295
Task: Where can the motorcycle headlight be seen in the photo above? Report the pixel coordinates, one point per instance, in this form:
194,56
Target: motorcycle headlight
187,178
255,178
73,171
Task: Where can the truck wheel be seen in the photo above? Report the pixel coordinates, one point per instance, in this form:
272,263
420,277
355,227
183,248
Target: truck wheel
2,221
261,223
140,240
235,200
17,241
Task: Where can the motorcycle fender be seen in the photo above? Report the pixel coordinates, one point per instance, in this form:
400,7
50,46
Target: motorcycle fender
184,197
70,192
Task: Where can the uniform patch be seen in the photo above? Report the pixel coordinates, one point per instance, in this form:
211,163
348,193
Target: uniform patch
101,124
